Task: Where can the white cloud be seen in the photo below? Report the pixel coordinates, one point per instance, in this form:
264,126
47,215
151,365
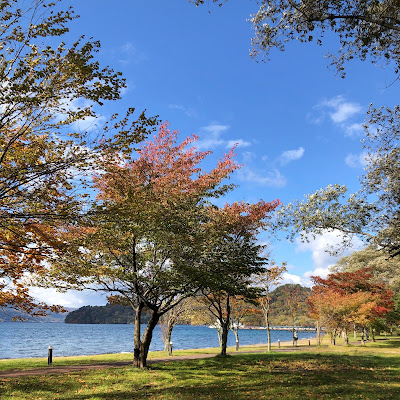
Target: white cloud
89,123
248,156
340,111
190,112
322,260
318,248
356,129
237,143
128,53
271,178
212,137
71,298
320,245
357,160
291,155
322,272
290,278
128,48
215,129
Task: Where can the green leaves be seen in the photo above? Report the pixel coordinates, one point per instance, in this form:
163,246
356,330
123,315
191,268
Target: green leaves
39,85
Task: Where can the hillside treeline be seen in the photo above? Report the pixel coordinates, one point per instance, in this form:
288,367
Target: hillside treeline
288,307
108,314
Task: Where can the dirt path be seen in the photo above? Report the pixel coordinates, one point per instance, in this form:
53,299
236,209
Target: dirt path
54,370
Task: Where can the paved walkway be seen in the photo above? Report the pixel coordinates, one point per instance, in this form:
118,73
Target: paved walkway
54,370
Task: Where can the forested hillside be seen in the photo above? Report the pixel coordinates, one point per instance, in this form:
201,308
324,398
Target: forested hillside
109,314
289,306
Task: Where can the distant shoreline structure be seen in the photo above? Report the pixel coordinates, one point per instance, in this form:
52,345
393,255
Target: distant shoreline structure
276,328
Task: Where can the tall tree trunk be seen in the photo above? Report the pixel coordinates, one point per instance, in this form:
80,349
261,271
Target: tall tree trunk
333,338
168,334
268,334
319,333
147,336
136,337
267,324
219,333
372,331
236,333
224,337
225,323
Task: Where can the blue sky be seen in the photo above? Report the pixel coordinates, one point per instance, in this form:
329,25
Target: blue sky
297,124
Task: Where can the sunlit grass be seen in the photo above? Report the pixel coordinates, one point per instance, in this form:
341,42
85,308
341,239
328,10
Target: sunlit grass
28,363
327,372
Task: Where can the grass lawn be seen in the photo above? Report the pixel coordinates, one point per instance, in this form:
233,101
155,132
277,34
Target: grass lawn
30,363
340,372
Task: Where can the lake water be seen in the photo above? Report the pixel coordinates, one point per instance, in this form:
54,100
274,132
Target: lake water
26,339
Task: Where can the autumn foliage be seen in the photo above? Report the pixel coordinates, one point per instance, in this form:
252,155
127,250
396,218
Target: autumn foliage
153,238
345,300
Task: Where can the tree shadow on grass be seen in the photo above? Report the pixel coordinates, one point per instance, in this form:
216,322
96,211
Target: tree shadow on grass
251,376
384,343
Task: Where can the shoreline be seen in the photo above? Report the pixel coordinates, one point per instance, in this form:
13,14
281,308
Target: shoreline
274,345
183,341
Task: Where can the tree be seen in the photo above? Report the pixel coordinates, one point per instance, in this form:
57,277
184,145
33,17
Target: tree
347,299
367,29
232,255
143,240
371,214
294,301
265,281
340,312
45,90
384,269
280,312
168,321
240,310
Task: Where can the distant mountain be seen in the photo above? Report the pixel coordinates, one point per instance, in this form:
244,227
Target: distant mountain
109,314
8,315
289,306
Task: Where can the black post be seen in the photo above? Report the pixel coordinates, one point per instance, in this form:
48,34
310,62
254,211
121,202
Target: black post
50,356
170,349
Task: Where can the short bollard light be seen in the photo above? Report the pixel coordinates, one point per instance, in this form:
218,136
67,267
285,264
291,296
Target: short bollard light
170,349
50,356
279,344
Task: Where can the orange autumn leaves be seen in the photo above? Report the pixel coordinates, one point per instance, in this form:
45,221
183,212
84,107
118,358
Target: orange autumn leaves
348,299
33,193
166,178
168,169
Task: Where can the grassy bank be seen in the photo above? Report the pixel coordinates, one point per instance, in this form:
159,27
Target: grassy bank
340,372
30,363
